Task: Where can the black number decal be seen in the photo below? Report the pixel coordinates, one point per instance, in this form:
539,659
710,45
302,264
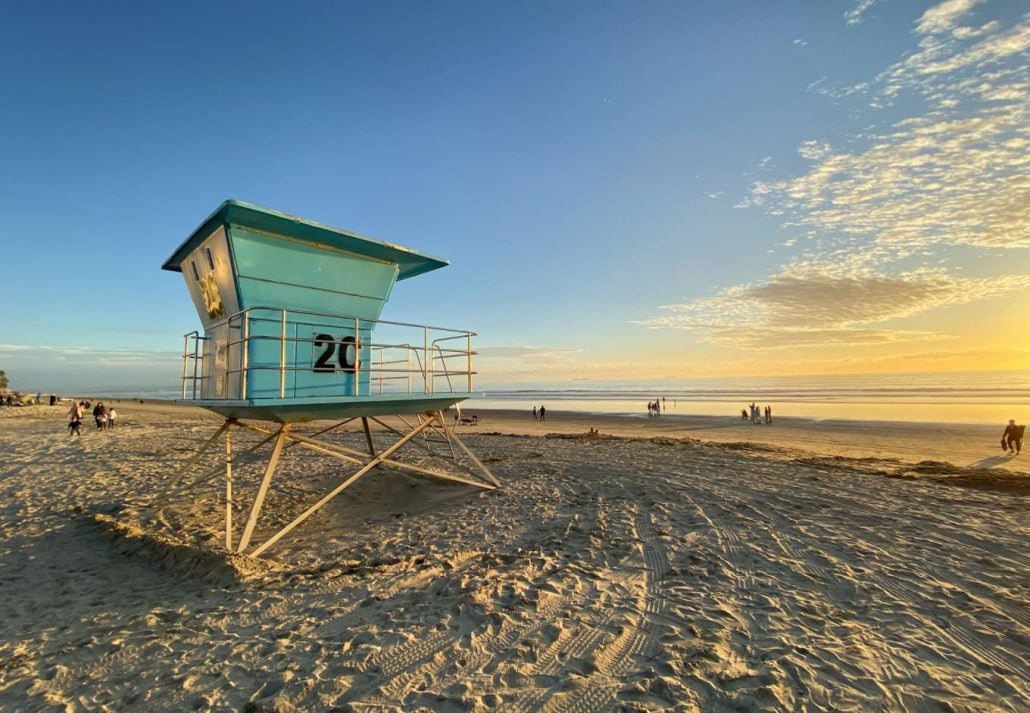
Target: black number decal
326,340
348,355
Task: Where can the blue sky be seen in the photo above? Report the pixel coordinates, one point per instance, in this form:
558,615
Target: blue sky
623,188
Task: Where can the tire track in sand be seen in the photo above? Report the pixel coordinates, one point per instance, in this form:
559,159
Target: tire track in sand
578,643
637,636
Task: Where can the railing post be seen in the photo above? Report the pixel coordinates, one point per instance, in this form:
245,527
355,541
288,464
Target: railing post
357,358
196,363
185,361
427,367
282,357
409,350
469,389
245,363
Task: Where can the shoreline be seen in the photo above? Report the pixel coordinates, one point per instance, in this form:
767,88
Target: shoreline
957,444
962,445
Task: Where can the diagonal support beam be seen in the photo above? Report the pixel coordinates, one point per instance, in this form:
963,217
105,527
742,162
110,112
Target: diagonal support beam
190,463
259,500
214,472
339,489
344,454
351,455
431,421
326,430
452,436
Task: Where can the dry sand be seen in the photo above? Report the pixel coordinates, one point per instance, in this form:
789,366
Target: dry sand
797,566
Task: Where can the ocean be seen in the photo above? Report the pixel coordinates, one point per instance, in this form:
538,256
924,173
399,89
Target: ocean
951,397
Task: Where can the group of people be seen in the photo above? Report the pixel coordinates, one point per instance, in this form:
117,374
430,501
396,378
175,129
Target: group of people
753,413
539,414
103,416
654,408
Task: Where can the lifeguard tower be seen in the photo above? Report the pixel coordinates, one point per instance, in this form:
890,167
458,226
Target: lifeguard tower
290,311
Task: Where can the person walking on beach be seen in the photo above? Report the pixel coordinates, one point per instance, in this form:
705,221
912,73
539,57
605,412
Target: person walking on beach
75,420
543,414
1012,438
535,416
111,415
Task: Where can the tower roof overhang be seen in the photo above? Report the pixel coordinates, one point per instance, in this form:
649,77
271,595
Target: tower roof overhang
410,263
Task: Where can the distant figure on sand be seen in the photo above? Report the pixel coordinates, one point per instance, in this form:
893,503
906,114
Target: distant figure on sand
543,414
75,420
111,415
1012,438
535,417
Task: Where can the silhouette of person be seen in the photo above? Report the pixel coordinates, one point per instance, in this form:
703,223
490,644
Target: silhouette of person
1012,438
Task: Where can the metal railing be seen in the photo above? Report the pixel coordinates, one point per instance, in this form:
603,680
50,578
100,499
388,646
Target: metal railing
343,356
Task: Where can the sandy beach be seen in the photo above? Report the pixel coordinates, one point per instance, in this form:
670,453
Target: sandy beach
672,563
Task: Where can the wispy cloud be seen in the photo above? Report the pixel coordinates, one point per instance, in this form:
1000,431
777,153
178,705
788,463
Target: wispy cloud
856,13
955,175
880,213
943,17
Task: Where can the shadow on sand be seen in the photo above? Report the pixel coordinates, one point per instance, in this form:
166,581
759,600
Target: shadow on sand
992,461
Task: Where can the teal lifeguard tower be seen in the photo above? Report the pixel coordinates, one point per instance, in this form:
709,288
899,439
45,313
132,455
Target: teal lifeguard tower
291,333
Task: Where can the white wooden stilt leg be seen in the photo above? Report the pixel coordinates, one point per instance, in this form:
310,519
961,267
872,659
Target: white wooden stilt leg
368,438
228,490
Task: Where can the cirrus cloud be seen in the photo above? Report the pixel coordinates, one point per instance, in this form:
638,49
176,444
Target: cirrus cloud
878,215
